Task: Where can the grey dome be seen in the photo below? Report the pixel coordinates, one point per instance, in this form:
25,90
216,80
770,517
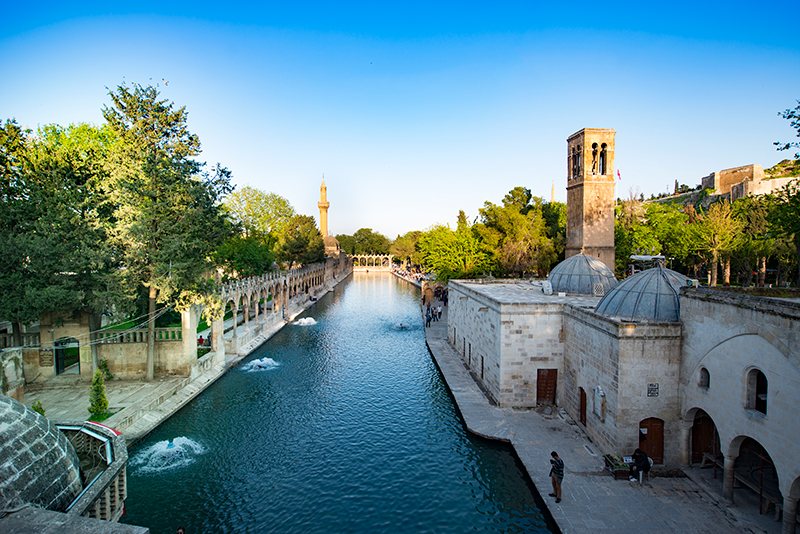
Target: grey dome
650,295
38,464
579,273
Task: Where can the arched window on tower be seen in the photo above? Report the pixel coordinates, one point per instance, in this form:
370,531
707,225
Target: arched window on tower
594,158
603,158
757,391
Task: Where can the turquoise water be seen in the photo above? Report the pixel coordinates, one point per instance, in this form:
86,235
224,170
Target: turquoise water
342,424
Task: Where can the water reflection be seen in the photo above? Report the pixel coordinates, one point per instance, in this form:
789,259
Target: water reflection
351,430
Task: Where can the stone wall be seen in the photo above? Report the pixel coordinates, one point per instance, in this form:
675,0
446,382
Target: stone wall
728,335
634,365
506,333
760,187
12,378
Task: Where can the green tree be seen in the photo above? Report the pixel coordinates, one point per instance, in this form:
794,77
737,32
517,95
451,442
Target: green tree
98,402
452,254
716,234
169,219
516,233
369,242
260,213
404,247
785,217
555,218
793,116
15,212
244,257
301,242
70,235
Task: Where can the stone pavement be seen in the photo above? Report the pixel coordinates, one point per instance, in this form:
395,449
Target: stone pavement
591,499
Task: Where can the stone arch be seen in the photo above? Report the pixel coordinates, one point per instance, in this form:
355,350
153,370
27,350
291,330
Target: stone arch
772,340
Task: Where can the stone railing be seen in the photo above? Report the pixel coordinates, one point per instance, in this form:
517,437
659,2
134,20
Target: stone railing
28,340
138,336
104,473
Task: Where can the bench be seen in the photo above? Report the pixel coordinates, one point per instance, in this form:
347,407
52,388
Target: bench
767,496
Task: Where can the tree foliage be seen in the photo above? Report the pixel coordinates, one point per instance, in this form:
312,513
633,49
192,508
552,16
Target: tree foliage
516,234
261,214
793,116
364,241
405,247
453,254
301,242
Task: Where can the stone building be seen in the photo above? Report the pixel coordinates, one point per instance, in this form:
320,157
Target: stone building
687,374
590,194
740,182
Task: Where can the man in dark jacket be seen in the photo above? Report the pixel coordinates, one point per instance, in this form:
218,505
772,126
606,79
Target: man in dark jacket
641,464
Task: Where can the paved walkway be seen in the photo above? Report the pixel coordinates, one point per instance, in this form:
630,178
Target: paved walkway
592,500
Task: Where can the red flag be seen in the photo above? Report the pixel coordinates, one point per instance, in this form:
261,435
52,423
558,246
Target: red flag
618,175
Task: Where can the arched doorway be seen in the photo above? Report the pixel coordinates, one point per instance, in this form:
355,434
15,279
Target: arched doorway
651,438
68,356
583,406
705,438
755,470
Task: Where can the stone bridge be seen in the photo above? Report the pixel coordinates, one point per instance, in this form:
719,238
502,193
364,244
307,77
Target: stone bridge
372,262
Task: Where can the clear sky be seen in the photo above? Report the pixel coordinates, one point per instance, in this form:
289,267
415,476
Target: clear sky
415,110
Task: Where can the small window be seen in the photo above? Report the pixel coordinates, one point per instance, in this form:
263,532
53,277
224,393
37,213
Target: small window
757,391
705,379
603,158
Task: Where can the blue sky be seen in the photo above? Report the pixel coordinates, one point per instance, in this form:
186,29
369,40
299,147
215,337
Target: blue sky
417,110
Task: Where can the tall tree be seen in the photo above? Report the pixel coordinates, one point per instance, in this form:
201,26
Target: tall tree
404,247
785,217
169,219
67,174
793,116
516,233
453,254
717,234
301,242
260,213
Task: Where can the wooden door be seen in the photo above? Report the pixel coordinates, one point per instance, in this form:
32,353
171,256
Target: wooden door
704,437
651,439
546,380
583,406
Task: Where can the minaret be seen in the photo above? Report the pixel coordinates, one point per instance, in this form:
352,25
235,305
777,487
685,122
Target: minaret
323,208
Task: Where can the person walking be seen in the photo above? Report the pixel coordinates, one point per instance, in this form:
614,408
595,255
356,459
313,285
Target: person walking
556,475
439,312
427,319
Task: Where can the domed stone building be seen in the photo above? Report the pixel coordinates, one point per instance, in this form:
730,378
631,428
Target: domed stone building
582,275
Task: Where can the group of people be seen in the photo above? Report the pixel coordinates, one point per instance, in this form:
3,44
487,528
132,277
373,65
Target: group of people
640,465
204,342
432,313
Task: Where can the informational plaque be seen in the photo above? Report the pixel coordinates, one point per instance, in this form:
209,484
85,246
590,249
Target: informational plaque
652,389
599,398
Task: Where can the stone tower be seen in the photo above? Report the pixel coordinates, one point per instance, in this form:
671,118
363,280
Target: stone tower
323,209
590,194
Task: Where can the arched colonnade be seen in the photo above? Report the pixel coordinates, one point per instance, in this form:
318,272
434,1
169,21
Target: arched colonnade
261,298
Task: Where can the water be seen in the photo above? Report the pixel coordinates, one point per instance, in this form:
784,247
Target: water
341,423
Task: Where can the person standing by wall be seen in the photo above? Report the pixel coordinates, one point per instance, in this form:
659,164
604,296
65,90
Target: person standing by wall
556,475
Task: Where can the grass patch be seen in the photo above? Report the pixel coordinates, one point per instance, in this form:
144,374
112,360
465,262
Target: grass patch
99,418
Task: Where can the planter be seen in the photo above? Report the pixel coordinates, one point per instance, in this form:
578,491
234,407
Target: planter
616,467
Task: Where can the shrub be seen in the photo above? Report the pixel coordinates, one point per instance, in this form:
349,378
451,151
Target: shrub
37,407
98,403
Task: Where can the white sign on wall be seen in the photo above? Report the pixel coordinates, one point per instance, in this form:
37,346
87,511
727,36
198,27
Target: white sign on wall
599,403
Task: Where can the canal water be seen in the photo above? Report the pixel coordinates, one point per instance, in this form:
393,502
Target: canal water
339,423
